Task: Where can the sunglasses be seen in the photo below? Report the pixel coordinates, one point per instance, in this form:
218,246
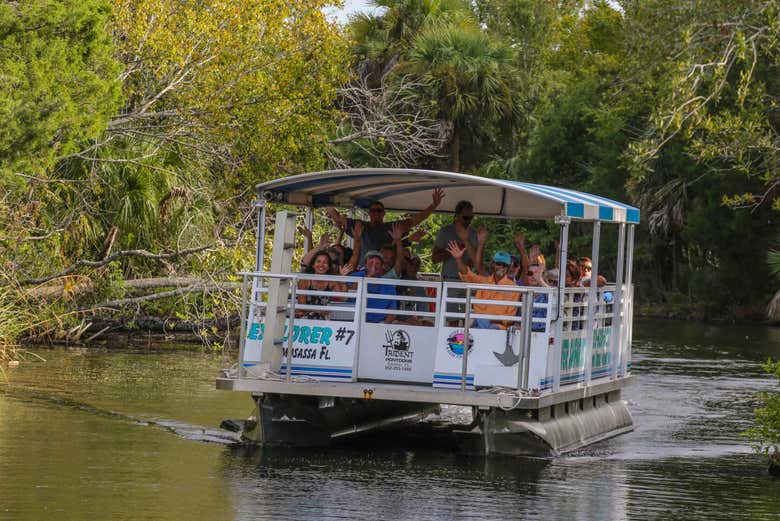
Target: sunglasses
376,210
501,265
467,217
586,268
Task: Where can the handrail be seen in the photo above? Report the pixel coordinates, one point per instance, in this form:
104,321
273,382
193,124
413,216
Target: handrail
354,303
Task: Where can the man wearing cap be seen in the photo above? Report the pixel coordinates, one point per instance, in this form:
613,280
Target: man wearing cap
376,232
498,276
375,269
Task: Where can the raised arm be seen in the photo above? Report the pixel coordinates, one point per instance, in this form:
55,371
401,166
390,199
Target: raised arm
482,236
338,219
358,232
397,233
524,259
324,241
414,220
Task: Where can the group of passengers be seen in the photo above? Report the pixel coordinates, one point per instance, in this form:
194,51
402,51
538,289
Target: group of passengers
380,250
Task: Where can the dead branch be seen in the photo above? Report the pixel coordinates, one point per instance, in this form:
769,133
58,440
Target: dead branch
118,255
155,296
388,124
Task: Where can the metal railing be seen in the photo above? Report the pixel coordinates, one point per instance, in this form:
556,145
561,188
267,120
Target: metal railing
353,301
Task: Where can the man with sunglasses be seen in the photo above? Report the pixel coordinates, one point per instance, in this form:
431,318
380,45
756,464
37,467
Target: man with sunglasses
461,232
376,232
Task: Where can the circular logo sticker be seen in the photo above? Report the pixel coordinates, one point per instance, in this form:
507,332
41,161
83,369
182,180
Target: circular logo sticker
456,342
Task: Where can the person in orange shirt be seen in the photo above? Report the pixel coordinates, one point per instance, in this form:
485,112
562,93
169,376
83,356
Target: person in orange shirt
499,276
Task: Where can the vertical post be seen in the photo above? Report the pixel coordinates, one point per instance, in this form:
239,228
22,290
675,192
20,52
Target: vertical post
358,319
466,328
278,290
260,249
309,224
629,298
564,222
615,337
290,328
437,320
525,343
592,302
244,321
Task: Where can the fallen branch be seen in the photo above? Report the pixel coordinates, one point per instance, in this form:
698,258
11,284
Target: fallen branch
57,290
145,298
118,255
156,296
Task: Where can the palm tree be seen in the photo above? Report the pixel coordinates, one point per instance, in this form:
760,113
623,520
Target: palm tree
381,41
472,78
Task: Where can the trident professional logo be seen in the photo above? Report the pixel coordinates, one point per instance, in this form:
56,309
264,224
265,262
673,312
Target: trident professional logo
398,350
398,340
456,342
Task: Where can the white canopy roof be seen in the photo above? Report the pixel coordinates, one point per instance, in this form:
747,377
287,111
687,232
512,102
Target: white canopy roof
410,190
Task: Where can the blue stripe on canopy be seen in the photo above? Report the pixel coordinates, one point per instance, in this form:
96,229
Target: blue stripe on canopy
411,189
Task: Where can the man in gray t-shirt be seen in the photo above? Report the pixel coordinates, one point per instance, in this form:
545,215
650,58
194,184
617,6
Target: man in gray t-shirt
376,232
460,227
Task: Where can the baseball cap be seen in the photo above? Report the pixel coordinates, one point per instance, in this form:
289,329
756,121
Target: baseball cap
502,256
373,253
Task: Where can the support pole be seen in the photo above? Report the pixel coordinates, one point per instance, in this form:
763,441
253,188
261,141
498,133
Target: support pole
616,337
260,248
593,304
526,322
466,328
278,291
309,224
629,298
564,222
290,327
244,321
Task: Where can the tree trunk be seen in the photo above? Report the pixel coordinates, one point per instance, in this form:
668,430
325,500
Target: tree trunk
455,149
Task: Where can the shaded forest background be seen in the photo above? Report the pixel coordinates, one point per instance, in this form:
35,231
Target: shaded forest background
135,130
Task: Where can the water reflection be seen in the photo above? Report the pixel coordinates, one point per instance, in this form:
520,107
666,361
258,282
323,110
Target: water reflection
99,435
383,484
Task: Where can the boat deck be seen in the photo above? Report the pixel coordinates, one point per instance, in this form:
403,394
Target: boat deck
506,398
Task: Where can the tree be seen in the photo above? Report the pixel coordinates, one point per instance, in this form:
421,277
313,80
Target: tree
467,79
59,82
381,41
471,78
247,86
721,65
157,118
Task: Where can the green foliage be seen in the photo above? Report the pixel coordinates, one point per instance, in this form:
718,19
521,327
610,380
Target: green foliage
766,432
720,93
143,124
246,86
59,81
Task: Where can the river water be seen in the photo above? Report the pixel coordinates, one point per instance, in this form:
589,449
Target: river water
99,434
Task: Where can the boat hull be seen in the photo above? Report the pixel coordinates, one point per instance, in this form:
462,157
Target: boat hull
318,421
548,431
